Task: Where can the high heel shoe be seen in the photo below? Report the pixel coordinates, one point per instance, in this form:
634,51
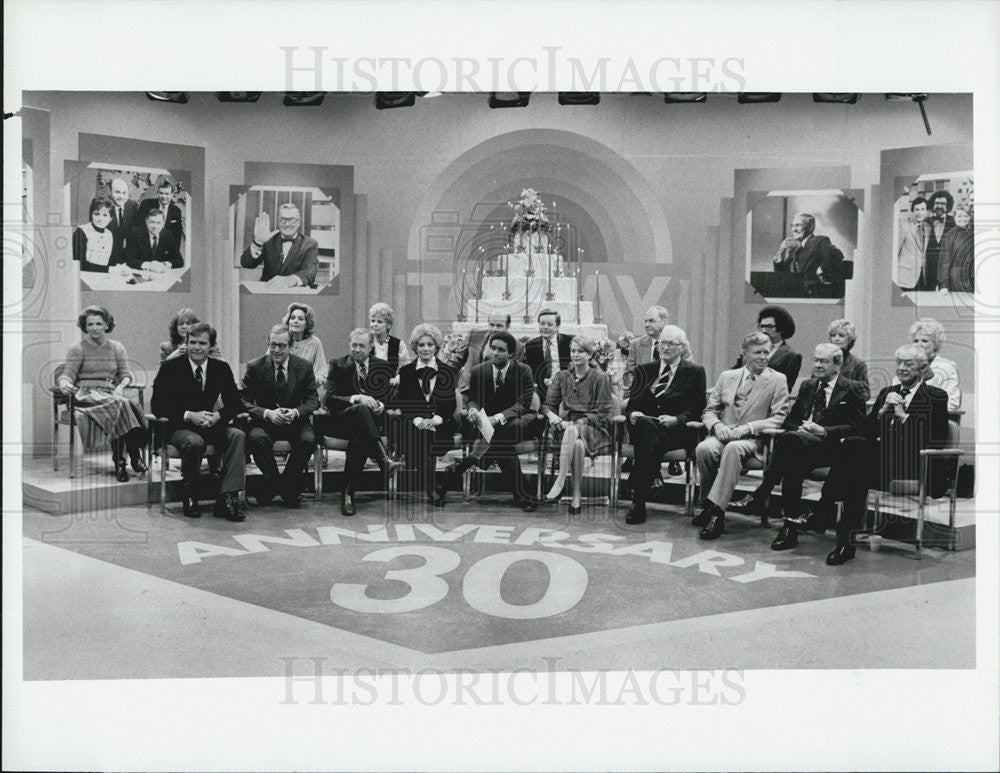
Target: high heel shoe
575,509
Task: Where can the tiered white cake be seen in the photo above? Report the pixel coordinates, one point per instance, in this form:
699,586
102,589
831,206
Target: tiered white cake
527,278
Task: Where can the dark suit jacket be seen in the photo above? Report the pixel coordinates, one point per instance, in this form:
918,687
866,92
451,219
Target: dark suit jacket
818,252
302,259
121,228
514,398
342,382
138,250
785,360
409,397
173,221
685,398
534,358
175,391
900,442
843,414
260,392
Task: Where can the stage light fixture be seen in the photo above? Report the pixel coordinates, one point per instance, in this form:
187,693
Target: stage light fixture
836,99
386,100
238,96
919,99
579,98
303,98
177,97
685,97
509,98
758,97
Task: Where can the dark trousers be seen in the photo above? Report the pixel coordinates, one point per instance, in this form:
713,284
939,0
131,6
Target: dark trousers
260,442
362,429
229,445
501,451
796,454
651,441
422,447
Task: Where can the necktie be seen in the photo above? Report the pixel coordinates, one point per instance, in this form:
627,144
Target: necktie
656,352
279,381
119,217
426,374
660,386
156,240
819,403
198,379
499,380
904,392
744,390
362,376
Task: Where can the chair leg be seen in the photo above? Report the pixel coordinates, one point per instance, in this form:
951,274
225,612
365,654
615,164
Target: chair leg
72,441
55,435
163,480
688,488
318,457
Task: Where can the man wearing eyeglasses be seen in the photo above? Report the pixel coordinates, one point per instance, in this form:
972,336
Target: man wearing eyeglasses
289,257
279,391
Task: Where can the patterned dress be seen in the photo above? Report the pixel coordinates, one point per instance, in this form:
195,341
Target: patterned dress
588,405
96,370
311,349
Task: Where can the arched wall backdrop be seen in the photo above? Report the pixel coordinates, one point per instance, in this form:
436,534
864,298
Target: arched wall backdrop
661,191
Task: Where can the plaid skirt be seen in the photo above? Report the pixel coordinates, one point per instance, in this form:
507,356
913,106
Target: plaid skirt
105,416
594,433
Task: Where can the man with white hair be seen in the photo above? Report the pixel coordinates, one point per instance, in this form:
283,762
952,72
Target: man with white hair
828,408
744,402
289,257
124,217
906,418
663,397
643,349
809,254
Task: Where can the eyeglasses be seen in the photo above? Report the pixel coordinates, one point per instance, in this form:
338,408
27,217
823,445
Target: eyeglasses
273,345
763,326
670,344
288,220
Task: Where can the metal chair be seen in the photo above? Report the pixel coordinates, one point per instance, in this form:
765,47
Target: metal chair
59,399
326,443
918,487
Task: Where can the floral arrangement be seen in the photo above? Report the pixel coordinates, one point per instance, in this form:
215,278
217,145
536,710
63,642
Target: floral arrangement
604,353
529,213
625,341
454,349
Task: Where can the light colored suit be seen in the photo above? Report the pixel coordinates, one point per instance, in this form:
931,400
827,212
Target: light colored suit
640,351
911,255
765,407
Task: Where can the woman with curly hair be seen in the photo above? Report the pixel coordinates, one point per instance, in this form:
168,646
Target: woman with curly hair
300,320
387,347
179,326
426,399
842,333
96,375
929,333
585,391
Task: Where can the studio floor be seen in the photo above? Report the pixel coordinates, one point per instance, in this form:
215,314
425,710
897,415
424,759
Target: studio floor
126,592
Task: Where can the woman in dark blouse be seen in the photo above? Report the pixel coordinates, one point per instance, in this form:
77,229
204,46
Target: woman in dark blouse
843,334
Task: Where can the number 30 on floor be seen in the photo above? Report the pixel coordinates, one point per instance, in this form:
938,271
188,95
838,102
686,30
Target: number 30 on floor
480,586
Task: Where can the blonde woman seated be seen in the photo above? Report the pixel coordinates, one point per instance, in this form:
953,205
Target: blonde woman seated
585,391
301,322
96,375
943,374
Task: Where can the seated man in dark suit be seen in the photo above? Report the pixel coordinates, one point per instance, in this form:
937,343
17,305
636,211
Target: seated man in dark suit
357,389
279,391
503,390
827,409
185,392
172,219
906,418
151,248
809,254
478,350
548,353
290,259
664,396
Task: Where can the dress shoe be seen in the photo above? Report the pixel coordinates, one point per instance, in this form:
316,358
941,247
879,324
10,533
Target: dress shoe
716,526
840,555
787,538
636,515
527,504
703,517
436,498
575,509
347,503
749,504
138,465
121,473
675,469
191,508
815,522
228,506
265,493
290,500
